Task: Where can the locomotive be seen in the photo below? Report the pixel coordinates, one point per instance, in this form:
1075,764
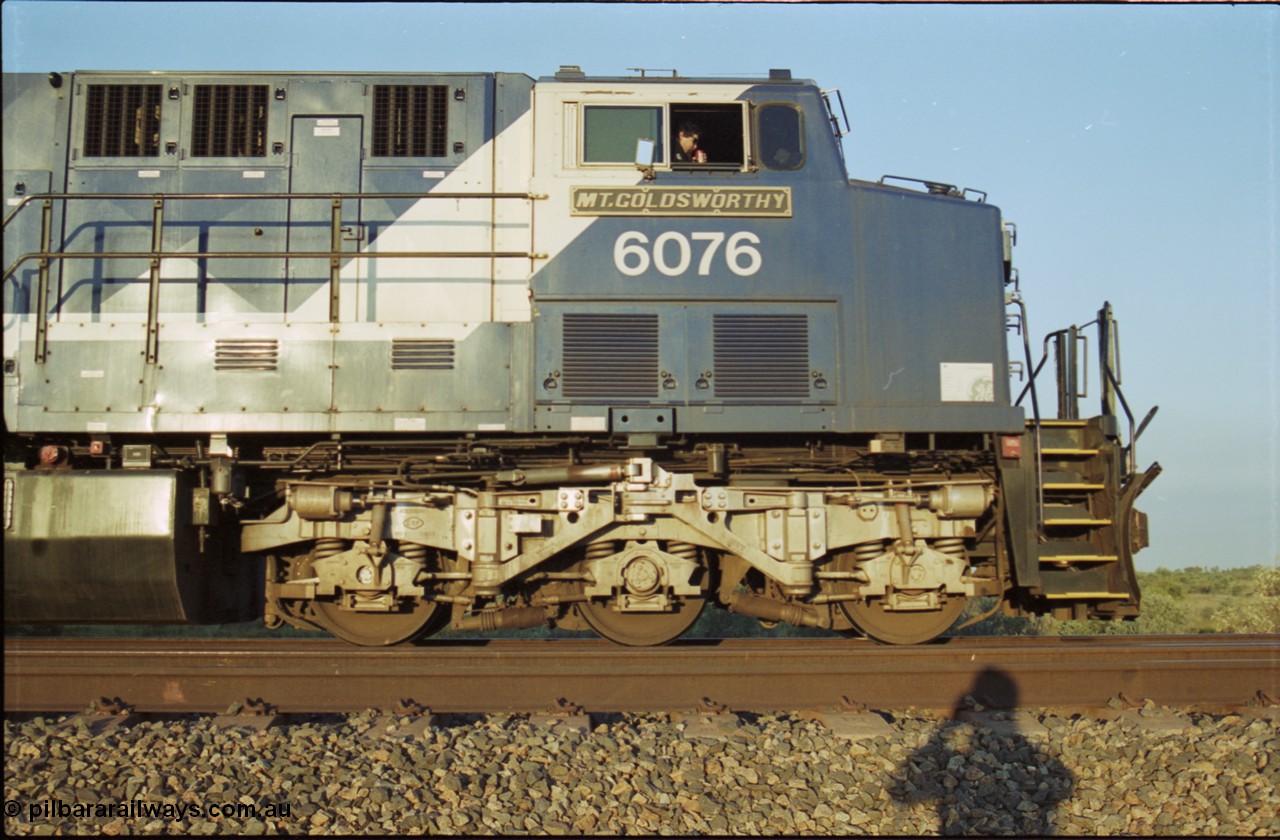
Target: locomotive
383,353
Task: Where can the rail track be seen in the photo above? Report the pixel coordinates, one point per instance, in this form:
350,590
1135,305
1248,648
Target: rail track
186,675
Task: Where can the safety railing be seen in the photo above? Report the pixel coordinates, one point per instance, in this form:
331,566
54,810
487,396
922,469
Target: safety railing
1073,385
156,254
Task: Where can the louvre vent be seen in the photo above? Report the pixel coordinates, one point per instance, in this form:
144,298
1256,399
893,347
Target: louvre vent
764,356
246,354
610,356
122,121
410,120
422,354
229,121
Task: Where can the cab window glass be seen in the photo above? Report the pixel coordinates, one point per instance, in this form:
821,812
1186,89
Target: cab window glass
718,133
779,130
610,134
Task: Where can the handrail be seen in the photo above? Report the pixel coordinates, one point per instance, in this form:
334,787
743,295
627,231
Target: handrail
1036,441
156,255
236,255
260,196
1111,390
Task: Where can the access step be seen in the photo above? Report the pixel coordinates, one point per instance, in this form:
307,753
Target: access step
1069,559
1077,523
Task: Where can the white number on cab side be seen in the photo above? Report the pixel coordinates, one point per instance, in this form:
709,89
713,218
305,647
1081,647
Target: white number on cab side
672,253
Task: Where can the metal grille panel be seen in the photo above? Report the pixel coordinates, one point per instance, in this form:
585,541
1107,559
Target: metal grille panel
122,121
410,120
246,354
610,355
422,354
763,356
229,121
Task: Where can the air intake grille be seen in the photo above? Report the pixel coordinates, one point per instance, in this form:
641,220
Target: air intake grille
763,356
422,354
610,356
122,121
410,120
229,121
246,354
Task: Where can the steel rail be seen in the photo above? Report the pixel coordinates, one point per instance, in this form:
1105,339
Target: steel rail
187,675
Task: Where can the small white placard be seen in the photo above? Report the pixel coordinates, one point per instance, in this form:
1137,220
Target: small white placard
968,382
327,121
588,424
524,523
95,427
327,131
493,427
411,424
148,173
432,173
254,173
14,202
92,374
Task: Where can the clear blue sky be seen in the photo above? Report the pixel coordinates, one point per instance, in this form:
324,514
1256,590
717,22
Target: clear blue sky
1135,147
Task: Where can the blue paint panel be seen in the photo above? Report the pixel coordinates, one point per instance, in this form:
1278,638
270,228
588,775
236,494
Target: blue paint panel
840,317
913,282
109,289
250,289
928,290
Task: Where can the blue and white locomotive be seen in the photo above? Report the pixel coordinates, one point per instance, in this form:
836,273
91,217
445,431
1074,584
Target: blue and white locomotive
381,353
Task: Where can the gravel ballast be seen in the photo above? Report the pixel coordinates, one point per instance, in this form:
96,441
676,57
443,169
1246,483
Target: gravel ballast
770,774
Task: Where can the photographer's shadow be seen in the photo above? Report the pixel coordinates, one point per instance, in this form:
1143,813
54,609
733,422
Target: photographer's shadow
986,778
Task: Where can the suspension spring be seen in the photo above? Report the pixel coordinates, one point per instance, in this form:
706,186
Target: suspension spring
868,551
953,546
683,550
329,547
414,552
600,550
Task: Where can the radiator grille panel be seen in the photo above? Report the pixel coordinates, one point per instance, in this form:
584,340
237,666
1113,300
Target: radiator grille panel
246,354
410,120
422,354
229,121
122,121
761,356
610,355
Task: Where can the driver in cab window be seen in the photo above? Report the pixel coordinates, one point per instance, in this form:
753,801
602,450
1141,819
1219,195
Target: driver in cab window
687,150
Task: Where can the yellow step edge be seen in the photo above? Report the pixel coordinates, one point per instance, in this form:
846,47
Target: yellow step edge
1079,558
1075,424
1069,452
1124,596
1069,486
1090,522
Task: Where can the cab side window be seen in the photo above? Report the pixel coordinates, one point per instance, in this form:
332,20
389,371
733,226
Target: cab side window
610,133
779,131
719,132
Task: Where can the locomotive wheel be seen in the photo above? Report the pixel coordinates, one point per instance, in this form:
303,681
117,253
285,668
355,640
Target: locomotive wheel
374,629
902,628
640,629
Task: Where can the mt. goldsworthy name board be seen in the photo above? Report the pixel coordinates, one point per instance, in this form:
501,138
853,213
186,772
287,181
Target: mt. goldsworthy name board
766,202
